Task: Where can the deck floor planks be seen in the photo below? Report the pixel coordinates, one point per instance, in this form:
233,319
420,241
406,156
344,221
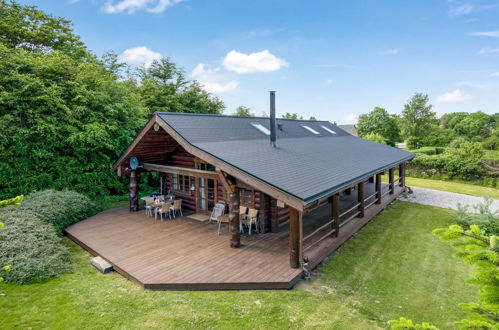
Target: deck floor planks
184,251
185,254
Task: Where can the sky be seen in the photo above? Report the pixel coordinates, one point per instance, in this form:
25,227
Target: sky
333,60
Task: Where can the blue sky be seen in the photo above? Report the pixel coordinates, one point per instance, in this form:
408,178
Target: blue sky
330,59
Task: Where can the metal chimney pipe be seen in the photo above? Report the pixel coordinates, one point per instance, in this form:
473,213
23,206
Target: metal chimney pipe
273,129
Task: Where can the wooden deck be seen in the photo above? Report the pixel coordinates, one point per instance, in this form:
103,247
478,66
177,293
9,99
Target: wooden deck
185,254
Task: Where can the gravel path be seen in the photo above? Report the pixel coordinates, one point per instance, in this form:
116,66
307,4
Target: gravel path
444,198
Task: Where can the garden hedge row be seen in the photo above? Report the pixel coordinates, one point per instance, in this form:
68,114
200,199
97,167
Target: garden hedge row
29,240
59,208
31,247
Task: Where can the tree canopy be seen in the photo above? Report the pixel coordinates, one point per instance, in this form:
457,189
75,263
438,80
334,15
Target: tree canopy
381,123
66,115
31,29
417,117
242,111
294,116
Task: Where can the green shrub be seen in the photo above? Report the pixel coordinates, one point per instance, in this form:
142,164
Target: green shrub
375,137
482,216
457,142
31,247
429,150
464,162
491,143
414,142
59,208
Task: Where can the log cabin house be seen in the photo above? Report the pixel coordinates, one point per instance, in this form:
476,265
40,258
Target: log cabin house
314,185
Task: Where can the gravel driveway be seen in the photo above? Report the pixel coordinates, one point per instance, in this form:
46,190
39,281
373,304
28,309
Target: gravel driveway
444,198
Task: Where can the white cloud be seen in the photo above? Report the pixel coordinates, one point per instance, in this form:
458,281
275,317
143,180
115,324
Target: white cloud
212,80
131,6
493,34
488,50
393,51
462,10
329,81
262,61
139,56
454,96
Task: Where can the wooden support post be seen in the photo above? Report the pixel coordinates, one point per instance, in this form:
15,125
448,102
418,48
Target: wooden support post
274,216
378,188
235,240
360,198
133,188
295,238
402,174
390,181
263,213
335,213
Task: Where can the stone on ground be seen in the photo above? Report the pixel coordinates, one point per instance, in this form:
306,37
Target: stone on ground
102,265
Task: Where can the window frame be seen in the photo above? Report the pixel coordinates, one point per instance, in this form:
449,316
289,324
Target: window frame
181,183
243,194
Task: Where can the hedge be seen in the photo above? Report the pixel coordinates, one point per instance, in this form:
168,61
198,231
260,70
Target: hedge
59,208
31,247
29,240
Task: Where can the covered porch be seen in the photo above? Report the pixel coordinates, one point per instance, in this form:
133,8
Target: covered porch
186,254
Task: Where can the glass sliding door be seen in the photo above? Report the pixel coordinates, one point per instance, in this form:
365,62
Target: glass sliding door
202,194
207,194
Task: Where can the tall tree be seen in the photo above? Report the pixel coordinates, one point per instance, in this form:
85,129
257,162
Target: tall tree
163,87
242,111
379,122
417,118
31,29
65,116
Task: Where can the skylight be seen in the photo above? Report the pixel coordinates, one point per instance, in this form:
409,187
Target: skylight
328,129
310,129
261,128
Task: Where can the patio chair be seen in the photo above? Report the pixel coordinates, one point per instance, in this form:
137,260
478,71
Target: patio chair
224,218
217,211
177,207
160,197
243,210
166,208
149,205
249,220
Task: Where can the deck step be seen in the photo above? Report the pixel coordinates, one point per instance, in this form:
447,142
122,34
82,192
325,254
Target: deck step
102,265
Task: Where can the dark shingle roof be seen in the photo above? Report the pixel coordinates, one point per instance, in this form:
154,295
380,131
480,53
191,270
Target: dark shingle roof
305,165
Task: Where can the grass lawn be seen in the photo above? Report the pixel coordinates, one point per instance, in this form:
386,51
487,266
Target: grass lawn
393,267
457,187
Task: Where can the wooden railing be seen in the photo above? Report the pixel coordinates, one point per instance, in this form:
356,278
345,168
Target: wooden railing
346,216
329,225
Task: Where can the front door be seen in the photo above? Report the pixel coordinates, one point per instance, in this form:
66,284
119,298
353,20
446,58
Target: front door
207,195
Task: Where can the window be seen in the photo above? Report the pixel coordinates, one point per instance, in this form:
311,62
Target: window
310,129
246,197
261,128
328,129
205,167
181,183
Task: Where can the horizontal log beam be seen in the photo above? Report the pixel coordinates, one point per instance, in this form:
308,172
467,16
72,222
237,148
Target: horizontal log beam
180,170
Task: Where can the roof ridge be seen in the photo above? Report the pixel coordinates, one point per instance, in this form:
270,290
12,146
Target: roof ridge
233,116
